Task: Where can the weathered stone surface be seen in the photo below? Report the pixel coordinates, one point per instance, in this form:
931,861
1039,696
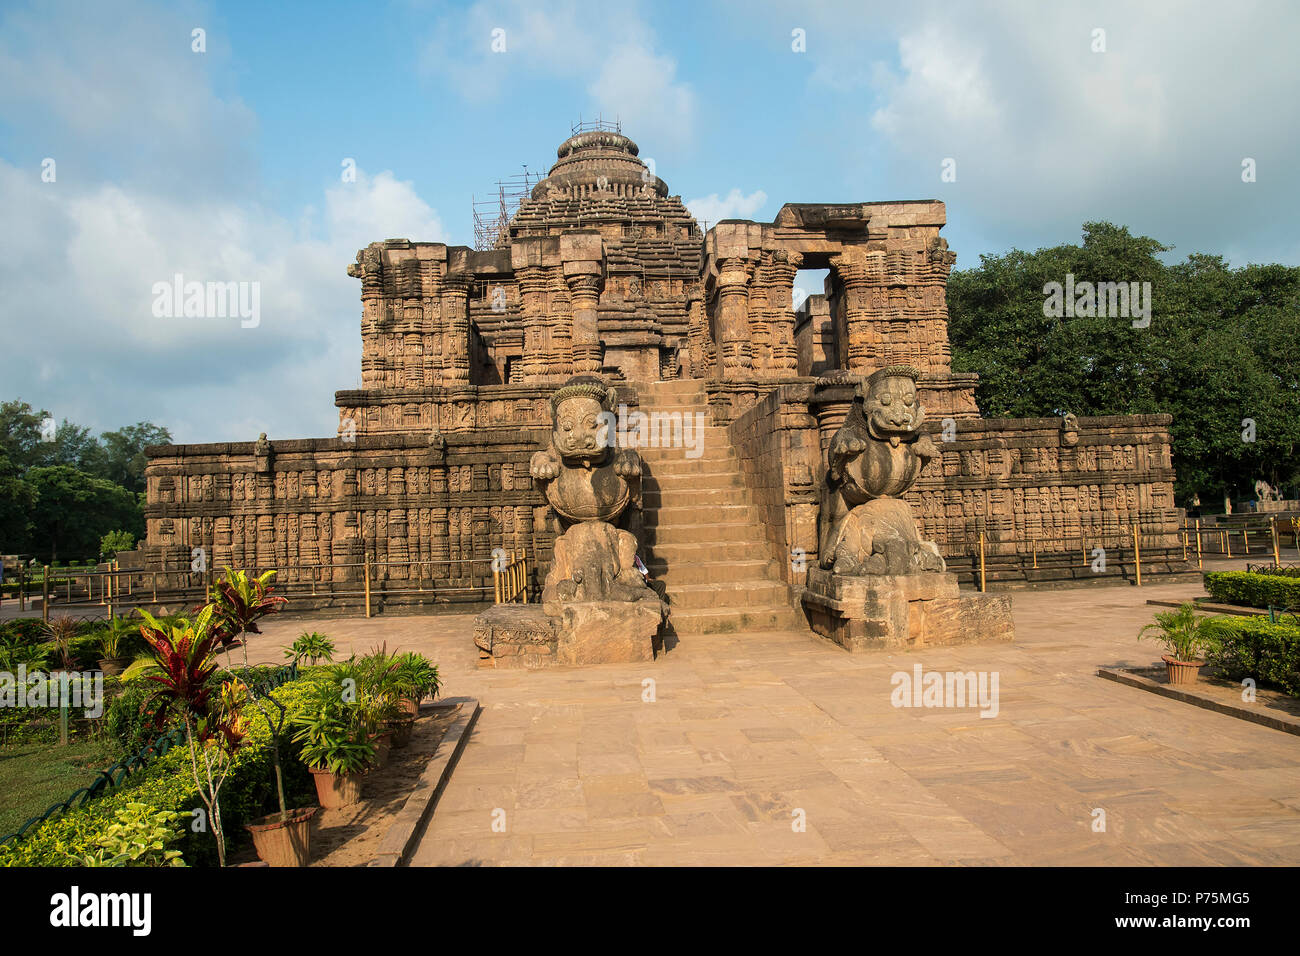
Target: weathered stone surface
908,610
608,632
515,635
594,561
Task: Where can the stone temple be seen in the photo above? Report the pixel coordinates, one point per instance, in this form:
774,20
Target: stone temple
601,272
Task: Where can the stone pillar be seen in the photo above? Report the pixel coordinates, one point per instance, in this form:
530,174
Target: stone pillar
532,292
561,318
583,255
455,324
697,334
780,315
862,274
587,351
733,320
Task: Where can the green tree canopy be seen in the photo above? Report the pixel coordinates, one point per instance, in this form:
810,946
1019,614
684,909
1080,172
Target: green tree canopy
16,500
1220,352
73,511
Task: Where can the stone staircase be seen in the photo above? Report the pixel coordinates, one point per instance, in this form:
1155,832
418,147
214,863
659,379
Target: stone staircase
703,538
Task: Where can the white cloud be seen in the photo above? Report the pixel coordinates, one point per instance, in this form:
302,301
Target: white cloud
613,53
79,293
1048,134
735,205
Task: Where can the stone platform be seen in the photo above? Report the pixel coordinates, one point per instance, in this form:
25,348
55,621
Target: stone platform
904,610
588,632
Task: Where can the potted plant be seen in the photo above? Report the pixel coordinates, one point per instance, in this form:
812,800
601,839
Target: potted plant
112,642
239,601
415,678
1180,631
335,747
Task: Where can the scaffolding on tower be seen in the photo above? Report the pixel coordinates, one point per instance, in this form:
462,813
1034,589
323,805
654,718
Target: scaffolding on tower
492,216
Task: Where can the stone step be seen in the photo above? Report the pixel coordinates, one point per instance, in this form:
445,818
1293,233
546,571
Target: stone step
678,554
710,621
737,532
734,495
672,386
684,468
677,574
758,592
673,407
670,515
703,482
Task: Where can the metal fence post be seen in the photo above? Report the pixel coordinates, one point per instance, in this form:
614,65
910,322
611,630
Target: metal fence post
45,595
1137,554
366,563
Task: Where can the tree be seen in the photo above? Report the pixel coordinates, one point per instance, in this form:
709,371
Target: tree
1219,354
16,501
20,433
73,511
123,453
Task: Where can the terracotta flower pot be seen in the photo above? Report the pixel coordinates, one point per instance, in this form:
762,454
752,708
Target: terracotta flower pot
409,705
383,744
336,790
112,666
402,729
1182,672
283,842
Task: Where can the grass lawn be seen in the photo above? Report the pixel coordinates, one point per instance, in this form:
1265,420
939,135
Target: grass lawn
35,775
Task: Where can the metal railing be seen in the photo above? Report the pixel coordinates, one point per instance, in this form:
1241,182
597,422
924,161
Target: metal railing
510,577
372,580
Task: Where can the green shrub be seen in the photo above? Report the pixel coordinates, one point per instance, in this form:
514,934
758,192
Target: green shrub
1253,647
27,630
167,786
1253,590
126,719
115,541
139,836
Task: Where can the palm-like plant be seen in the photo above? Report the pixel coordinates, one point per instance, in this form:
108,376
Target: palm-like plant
333,734
183,667
1182,631
312,646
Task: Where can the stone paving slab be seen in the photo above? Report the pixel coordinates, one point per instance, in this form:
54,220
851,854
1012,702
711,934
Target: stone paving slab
780,748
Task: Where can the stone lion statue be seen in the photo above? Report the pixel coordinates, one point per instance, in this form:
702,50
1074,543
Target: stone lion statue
589,482
581,472
874,458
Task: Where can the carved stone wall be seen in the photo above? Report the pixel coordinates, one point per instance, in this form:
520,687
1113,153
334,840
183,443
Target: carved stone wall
603,272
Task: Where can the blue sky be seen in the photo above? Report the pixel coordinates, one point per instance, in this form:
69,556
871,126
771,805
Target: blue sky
225,164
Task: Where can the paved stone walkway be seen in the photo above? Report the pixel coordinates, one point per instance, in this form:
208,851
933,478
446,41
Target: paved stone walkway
748,734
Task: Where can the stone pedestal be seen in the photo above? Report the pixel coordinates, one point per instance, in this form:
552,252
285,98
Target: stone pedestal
515,636
587,632
608,632
903,610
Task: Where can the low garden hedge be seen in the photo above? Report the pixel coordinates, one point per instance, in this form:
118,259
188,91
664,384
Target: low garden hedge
167,784
1254,647
1253,590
